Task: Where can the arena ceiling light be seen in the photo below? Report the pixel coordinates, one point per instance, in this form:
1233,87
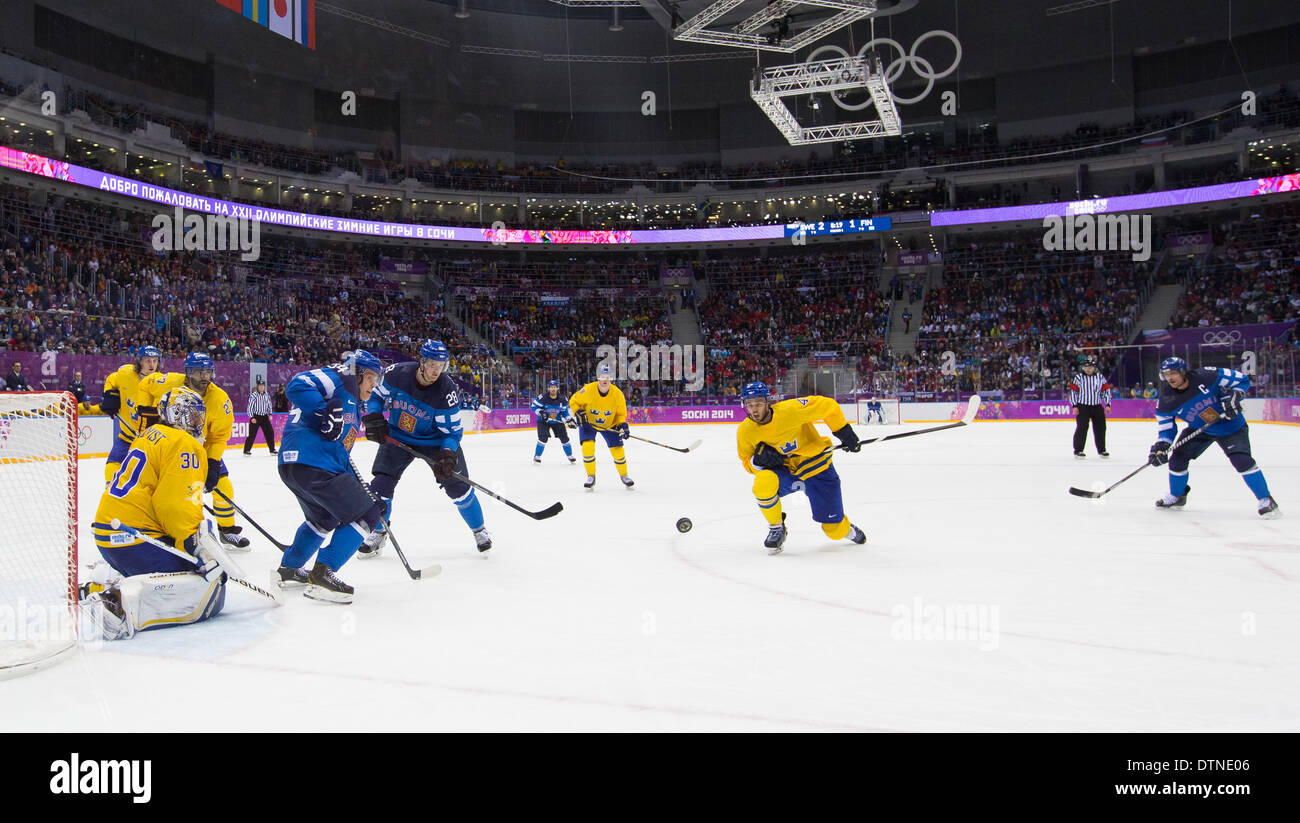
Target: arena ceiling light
769,28
770,86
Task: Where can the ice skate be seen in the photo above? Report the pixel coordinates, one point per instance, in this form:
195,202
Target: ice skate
322,584
776,537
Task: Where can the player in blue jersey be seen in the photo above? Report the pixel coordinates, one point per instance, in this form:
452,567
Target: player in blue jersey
418,404
1209,402
316,466
552,411
874,408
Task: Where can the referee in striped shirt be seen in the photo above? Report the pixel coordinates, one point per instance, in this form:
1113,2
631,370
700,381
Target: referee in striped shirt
259,417
1088,391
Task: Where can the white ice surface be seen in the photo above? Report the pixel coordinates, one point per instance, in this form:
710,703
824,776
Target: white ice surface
1103,615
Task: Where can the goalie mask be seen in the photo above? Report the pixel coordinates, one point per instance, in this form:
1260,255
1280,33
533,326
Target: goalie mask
183,409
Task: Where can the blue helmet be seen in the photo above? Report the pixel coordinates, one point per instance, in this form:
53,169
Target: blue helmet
356,362
756,389
604,369
554,384
434,350
1173,364
197,360
149,351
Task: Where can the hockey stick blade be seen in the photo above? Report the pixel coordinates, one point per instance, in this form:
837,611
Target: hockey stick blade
972,408
550,511
284,547
1182,438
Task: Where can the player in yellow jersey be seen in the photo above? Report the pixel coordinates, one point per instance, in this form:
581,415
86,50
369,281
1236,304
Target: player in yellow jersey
779,446
120,399
158,491
600,407
220,422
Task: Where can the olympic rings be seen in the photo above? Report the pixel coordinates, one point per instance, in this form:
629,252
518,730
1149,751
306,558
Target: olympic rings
906,59
1220,338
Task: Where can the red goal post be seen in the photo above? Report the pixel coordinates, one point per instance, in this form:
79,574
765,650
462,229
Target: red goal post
38,544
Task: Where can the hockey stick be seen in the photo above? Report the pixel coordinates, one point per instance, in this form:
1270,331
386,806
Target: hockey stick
1182,438
416,574
972,408
549,511
630,436
228,565
284,547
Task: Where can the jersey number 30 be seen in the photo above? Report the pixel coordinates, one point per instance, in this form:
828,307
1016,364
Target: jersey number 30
128,474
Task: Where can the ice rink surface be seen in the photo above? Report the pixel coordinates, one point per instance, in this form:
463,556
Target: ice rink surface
986,598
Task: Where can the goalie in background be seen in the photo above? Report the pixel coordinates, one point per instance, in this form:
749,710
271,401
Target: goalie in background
157,489
873,408
779,446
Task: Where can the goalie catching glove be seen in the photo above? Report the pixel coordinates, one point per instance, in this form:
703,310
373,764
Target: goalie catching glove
376,426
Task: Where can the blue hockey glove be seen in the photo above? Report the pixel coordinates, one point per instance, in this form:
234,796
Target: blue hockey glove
214,474
444,465
330,421
1159,453
1232,404
766,457
580,417
622,430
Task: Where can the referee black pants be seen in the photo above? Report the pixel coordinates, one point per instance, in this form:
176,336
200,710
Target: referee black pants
263,422
1084,414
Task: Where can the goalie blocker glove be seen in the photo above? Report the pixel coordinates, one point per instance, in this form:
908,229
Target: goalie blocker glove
1159,453
376,426
848,439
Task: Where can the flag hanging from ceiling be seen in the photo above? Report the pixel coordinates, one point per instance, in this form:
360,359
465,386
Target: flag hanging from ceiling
294,19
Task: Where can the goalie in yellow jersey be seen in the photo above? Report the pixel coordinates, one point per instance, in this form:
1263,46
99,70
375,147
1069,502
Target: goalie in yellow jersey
199,370
779,446
121,399
157,491
600,407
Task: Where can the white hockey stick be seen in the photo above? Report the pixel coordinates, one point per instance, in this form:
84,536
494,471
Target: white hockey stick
229,566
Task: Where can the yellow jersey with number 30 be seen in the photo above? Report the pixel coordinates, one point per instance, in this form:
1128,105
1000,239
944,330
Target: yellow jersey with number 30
791,432
220,420
158,489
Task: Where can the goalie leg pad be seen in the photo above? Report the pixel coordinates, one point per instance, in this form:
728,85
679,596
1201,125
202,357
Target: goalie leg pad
155,601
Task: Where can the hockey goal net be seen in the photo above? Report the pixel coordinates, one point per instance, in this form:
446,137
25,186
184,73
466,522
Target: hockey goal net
38,536
889,410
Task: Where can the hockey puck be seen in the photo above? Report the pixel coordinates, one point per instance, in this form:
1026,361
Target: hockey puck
684,525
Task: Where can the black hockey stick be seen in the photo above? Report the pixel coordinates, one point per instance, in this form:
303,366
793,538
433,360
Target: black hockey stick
550,511
227,563
1182,438
281,546
416,574
694,445
972,408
